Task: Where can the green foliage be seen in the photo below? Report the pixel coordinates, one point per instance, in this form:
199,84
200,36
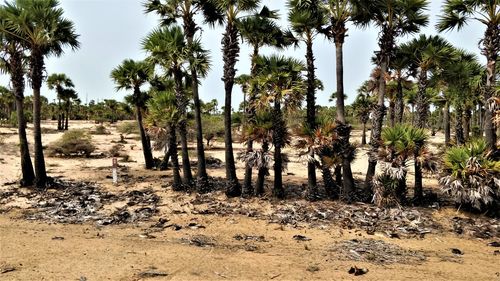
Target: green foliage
100,130
128,128
213,127
73,143
470,175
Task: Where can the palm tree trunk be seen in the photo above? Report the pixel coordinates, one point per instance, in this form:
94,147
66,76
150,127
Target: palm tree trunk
490,44
177,184
343,129
363,137
250,112
59,115
17,80
146,148
392,113
278,133
202,176
182,126
263,172
399,102
67,118
422,106
467,120
446,125
230,52
37,66
418,189
376,135
311,111
331,188
459,128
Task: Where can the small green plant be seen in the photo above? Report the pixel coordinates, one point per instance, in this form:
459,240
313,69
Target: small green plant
127,128
471,176
100,130
73,143
213,126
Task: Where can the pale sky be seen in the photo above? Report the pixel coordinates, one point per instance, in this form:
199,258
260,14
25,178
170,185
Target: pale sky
111,31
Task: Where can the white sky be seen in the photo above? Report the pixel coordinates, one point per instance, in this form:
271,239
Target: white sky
111,31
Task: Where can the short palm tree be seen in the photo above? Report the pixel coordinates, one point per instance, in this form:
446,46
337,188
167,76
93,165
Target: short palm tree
44,32
281,85
12,62
68,96
59,81
233,11
307,19
131,75
456,14
400,73
394,18
363,105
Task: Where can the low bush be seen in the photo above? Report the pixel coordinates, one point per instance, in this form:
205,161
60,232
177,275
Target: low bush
72,143
128,128
100,130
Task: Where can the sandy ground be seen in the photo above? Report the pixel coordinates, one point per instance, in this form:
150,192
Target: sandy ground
37,250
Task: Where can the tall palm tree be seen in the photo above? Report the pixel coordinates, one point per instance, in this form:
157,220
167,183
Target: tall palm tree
233,11
399,67
12,62
307,19
394,18
170,11
456,14
425,54
258,31
282,85
59,81
43,30
340,12
131,75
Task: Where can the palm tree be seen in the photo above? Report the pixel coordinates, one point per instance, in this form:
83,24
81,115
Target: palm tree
281,84
233,11
363,105
307,19
131,75
68,96
399,66
59,81
12,62
43,30
258,31
425,54
394,18
170,11
455,14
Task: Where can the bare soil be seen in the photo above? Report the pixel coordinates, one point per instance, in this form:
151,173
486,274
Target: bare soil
86,228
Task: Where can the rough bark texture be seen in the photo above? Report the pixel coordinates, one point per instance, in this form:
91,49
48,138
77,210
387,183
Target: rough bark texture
399,110
263,172
311,111
467,120
182,127
230,51
418,188
17,80
146,147
446,124
491,46
278,132
363,136
422,103
37,67
459,128
177,184
202,176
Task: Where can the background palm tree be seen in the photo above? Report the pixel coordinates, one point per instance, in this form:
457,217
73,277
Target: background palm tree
12,61
455,14
68,96
59,81
394,18
363,105
307,19
44,31
233,11
131,75
171,11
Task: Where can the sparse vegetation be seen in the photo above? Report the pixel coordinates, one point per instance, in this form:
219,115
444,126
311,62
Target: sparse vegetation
128,128
75,143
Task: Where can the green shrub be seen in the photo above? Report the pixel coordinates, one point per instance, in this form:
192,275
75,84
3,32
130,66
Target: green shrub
72,143
100,130
213,126
128,128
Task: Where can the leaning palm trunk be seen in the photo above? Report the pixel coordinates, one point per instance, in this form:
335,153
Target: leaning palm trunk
422,105
278,134
230,55
311,112
146,147
37,66
18,87
182,126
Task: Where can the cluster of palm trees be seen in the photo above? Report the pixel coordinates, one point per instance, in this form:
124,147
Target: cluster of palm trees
31,31
444,76
65,92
